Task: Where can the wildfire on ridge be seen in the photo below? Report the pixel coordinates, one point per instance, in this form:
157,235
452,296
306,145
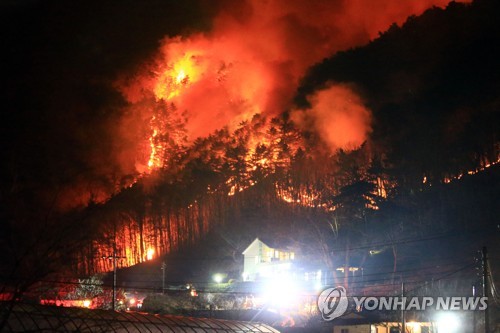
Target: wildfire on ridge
312,198
448,179
210,83
172,79
218,78
301,197
221,80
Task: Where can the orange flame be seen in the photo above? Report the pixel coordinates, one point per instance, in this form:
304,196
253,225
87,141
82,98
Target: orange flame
484,165
178,76
150,253
153,162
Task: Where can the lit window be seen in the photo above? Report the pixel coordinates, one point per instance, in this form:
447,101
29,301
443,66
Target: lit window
394,329
270,254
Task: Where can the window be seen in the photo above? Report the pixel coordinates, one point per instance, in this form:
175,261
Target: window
270,254
394,329
424,329
344,330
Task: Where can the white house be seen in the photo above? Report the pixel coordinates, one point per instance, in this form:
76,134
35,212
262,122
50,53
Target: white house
262,261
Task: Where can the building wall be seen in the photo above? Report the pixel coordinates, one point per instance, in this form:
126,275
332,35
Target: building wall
260,259
251,261
352,329
411,327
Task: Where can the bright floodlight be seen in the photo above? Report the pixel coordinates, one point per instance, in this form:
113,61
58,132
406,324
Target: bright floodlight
281,292
218,278
448,323
413,326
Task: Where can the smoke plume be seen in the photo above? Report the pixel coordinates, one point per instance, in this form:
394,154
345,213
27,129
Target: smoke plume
339,117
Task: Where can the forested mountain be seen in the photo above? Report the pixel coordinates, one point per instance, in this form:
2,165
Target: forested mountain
427,171
420,189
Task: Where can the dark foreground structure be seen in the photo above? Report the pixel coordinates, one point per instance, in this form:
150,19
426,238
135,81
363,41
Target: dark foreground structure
21,317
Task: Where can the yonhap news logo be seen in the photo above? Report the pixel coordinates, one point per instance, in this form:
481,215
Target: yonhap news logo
333,303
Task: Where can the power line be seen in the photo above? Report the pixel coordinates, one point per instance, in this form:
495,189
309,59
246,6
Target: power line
199,288
443,277
386,273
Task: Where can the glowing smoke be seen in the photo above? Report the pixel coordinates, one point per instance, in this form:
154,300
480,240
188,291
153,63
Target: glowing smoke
338,115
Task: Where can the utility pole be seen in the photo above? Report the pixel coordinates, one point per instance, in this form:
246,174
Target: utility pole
163,267
113,257
403,319
484,259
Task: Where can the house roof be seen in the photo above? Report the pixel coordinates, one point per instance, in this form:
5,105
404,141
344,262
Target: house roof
273,243
249,246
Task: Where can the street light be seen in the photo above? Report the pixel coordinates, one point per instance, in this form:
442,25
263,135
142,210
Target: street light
218,278
447,322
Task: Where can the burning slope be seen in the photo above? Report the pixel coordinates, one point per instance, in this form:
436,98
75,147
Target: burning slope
251,63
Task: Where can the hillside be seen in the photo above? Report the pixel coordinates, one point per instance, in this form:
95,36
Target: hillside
411,193
423,190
